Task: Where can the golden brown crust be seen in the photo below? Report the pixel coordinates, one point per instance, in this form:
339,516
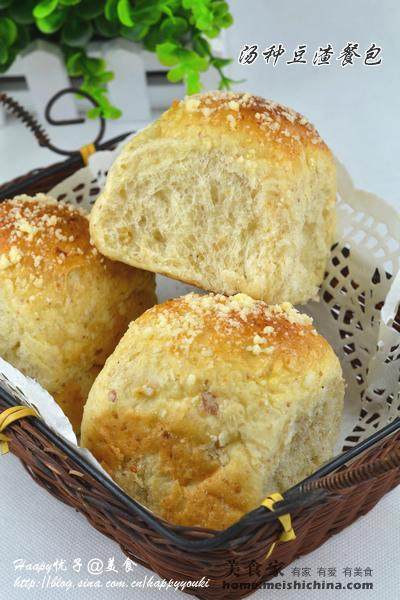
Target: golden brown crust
42,232
199,493
261,121
63,306
203,398
234,324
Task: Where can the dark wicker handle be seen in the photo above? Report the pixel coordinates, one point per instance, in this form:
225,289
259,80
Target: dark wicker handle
23,115
42,137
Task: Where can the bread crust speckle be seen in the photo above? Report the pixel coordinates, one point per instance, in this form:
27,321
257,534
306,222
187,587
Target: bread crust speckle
226,423
63,306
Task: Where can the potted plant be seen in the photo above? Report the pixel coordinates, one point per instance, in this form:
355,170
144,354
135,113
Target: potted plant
178,31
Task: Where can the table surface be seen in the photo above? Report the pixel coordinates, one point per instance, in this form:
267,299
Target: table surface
356,111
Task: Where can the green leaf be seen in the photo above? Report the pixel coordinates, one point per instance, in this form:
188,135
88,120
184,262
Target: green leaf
203,17
193,83
90,9
149,14
226,21
220,63
190,4
204,21
167,54
74,66
76,33
44,8
23,38
106,28
22,12
174,28
211,33
221,12
8,31
53,22
124,11
112,112
111,11
11,57
176,74
153,37
201,46
169,6
106,77
93,66
3,52
194,61
94,113
167,11
226,83
99,95
136,33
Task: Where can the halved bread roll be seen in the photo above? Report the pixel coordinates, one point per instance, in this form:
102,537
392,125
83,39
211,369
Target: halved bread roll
227,191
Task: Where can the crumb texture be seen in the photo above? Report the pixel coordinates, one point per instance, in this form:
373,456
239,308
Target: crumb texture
209,403
227,191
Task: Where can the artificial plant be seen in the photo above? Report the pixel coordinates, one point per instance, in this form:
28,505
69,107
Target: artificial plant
178,31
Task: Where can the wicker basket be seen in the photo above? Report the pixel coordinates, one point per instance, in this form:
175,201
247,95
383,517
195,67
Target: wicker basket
234,561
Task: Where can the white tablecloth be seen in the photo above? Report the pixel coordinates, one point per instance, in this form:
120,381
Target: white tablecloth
38,529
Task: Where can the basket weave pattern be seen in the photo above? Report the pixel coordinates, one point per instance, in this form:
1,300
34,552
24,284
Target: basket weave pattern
56,472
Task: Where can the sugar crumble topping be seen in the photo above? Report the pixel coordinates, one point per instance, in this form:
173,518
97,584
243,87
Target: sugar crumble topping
270,115
34,228
226,315
148,390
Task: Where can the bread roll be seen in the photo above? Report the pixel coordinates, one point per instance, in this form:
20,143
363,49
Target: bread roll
227,191
210,403
63,306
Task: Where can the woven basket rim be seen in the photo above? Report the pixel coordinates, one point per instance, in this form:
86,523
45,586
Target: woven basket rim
294,498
